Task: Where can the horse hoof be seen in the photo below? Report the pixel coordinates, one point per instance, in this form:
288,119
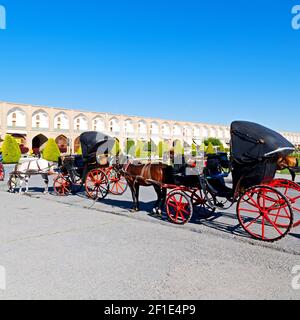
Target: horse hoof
135,210
157,211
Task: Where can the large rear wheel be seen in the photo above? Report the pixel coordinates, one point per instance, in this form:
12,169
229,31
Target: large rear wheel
97,184
265,213
179,207
291,191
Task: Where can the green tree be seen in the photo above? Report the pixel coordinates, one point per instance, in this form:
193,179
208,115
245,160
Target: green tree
163,147
139,149
116,148
214,141
194,150
79,151
10,150
202,147
130,147
222,149
151,148
210,149
51,151
178,148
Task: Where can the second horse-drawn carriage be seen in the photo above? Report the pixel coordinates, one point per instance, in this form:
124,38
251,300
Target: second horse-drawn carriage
265,206
91,170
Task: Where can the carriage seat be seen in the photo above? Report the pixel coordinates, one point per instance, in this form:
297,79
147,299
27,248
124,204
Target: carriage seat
215,166
215,175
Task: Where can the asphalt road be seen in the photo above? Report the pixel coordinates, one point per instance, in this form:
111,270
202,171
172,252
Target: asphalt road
71,248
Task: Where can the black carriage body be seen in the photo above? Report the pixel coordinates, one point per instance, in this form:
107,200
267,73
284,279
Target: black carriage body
255,150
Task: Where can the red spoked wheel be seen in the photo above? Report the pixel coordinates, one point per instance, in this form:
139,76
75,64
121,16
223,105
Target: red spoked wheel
97,184
62,185
179,207
117,183
2,172
200,201
291,191
265,213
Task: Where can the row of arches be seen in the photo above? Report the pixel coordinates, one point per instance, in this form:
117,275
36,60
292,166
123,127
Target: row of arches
40,120
16,118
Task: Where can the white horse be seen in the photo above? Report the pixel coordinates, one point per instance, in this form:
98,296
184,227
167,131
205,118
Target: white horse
25,170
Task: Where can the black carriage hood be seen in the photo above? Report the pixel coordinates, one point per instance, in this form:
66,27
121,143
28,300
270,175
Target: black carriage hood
251,142
93,142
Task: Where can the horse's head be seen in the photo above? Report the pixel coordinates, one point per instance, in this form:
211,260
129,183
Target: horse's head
287,162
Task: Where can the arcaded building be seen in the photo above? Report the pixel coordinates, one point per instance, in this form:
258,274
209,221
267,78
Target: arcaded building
32,126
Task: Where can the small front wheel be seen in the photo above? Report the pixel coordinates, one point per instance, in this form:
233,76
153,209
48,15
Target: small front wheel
179,207
62,185
117,183
265,213
12,183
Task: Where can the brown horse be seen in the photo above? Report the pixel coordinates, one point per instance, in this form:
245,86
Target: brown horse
147,175
290,163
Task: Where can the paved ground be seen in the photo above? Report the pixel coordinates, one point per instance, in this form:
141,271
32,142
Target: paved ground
65,248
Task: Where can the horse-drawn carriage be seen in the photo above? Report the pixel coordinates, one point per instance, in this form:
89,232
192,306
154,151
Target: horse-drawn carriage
90,170
265,206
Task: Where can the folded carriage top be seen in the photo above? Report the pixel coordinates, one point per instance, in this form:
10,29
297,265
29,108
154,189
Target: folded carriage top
253,142
93,142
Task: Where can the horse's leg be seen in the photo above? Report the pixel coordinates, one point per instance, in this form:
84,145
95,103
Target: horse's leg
163,200
156,208
22,181
21,185
136,188
131,187
46,181
27,183
293,174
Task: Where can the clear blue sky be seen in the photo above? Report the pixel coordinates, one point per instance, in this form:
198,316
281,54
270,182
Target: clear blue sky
210,61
